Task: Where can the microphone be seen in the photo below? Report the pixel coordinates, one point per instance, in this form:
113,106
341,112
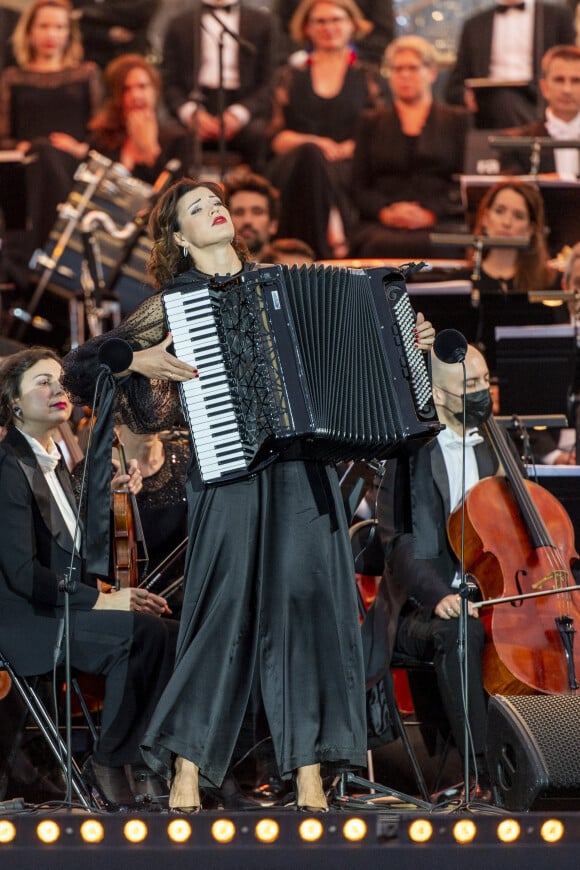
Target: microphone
165,177
450,346
115,355
160,185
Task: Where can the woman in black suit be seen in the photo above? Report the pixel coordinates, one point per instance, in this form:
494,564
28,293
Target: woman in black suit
117,634
406,160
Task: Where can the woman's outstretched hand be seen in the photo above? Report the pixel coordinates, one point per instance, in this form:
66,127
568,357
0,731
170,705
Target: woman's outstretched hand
157,363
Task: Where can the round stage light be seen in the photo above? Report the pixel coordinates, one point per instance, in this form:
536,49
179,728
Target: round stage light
508,831
420,831
179,830
552,831
310,830
267,831
7,831
135,831
47,831
354,830
92,831
223,831
464,831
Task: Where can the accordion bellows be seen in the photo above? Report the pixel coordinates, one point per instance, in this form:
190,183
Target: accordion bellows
299,363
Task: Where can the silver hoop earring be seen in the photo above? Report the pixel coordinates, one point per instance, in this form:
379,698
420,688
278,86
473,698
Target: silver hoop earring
17,411
185,251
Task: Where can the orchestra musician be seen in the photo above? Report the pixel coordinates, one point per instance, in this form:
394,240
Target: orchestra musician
119,634
269,598
422,576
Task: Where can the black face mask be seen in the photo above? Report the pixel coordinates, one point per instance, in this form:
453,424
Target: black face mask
477,405
477,408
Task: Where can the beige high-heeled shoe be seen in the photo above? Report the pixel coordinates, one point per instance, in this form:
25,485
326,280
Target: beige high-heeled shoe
310,796
184,794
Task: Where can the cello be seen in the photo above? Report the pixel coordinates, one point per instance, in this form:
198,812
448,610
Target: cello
519,546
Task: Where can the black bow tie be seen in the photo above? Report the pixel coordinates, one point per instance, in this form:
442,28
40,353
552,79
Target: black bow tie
210,7
504,7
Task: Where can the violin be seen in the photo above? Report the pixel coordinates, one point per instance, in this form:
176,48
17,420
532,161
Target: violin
519,546
128,531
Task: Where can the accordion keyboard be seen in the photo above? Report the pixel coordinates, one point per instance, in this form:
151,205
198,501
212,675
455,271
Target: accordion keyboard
205,399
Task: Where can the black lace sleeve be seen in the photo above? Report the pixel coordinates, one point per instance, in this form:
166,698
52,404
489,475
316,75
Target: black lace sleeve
144,405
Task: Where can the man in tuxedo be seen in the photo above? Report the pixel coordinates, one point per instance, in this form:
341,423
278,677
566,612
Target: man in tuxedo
506,44
421,581
191,75
560,86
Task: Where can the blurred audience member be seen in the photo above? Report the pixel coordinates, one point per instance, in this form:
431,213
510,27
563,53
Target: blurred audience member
46,103
255,208
560,86
192,70
289,252
406,160
506,43
9,13
127,128
369,48
113,27
513,208
316,108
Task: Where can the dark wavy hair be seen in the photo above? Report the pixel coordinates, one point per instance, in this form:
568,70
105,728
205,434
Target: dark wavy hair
11,371
166,260
533,272
109,124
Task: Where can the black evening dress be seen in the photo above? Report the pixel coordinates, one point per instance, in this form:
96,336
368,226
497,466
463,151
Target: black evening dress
269,599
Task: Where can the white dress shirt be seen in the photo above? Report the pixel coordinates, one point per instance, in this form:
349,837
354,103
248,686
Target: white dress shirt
512,45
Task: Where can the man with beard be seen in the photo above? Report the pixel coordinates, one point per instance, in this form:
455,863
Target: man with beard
254,206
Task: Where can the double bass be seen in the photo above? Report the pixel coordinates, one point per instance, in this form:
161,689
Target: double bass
519,546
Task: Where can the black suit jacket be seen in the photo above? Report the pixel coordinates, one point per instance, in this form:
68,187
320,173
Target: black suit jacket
35,551
181,59
414,507
554,25
384,171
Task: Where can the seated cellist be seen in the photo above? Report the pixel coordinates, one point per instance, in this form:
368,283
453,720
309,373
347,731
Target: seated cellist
423,573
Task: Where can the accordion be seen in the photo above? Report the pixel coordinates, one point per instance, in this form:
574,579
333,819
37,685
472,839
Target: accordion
303,362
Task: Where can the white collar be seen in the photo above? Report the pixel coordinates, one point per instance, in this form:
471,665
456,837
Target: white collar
448,439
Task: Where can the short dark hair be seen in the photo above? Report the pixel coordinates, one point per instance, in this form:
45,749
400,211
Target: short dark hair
11,371
559,52
238,182
282,250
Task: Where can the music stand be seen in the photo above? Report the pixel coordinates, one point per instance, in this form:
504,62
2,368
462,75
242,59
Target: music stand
535,143
490,95
535,367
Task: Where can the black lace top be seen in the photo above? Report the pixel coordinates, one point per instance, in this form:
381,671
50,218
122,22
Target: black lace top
144,405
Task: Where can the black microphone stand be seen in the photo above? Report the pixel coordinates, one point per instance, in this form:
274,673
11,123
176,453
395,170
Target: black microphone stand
221,94
68,585
464,605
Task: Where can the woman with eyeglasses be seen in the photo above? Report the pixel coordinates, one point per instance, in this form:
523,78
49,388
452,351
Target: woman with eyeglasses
317,102
406,158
